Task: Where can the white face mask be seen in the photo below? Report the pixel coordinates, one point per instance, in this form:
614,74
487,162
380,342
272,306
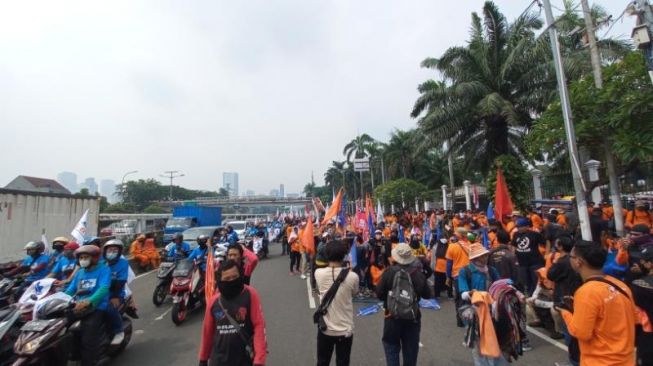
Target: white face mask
84,263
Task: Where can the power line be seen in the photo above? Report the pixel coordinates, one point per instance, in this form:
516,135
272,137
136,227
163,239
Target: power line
171,174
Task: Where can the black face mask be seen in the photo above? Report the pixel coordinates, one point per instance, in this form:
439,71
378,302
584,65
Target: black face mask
203,246
231,289
414,244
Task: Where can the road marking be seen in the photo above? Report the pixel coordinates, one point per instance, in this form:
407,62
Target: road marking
547,338
160,317
145,274
311,299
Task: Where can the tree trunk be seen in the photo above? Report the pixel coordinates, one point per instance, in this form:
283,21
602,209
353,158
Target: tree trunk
615,192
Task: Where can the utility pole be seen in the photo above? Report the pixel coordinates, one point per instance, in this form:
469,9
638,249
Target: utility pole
451,181
615,191
171,174
579,187
647,18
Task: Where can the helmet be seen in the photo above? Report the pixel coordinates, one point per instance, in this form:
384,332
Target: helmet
113,243
93,240
36,246
91,250
60,239
71,246
202,239
179,236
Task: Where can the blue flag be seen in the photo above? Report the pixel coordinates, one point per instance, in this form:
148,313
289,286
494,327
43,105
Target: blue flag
490,212
486,239
402,238
370,224
342,218
353,254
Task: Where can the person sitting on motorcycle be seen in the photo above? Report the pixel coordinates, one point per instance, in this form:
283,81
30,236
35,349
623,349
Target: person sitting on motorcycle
57,251
90,288
33,268
232,236
181,249
200,253
112,253
65,267
245,258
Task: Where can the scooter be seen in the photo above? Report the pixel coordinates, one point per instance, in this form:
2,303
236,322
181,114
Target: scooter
49,339
7,288
186,289
9,330
165,278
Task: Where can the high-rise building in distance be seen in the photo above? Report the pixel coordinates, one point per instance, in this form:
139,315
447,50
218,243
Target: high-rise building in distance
274,193
89,183
230,183
107,189
282,192
68,180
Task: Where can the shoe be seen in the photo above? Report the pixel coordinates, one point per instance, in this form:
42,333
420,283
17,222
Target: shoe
118,338
526,346
556,335
536,324
131,311
303,276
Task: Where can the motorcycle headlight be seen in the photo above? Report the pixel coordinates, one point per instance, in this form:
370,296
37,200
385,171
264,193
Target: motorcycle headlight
31,346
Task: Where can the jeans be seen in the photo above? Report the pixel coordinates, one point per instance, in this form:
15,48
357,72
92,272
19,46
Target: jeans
480,360
325,346
294,260
114,318
568,340
528,277
401,336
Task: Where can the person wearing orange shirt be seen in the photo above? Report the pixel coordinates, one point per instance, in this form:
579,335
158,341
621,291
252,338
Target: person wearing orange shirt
639,215
144,253
561,219
536,221
457,257
438,254
603,318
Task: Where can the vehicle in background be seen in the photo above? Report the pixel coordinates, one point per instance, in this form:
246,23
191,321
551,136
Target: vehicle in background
190,235
186,217
240,227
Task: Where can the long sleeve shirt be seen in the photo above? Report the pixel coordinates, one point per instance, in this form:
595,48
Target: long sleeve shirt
604,324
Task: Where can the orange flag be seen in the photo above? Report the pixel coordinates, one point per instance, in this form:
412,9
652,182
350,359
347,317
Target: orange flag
209,286
502,202
335,207
308,238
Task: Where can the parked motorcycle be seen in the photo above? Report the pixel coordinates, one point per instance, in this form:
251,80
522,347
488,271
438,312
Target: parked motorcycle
165,279
7,288
49,339
9,330
187,289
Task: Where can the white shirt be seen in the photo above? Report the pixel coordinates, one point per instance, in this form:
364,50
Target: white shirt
340,314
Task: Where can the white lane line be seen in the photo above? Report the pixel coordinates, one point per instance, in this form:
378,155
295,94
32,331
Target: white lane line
145,274
160,317
311,299
547,338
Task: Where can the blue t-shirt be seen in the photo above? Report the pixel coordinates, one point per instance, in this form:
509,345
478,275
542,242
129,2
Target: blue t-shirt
120,272
55,256
64,267
33,263
199,255
86,283
232,238
185,247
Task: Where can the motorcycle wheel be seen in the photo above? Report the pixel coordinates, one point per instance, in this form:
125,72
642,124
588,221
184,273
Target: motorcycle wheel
178,313
160,294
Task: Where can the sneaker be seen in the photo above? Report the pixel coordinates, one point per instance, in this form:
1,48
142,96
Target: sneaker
303,276
118,338
526,346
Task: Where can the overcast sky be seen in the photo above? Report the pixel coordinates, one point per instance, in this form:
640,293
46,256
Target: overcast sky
272,89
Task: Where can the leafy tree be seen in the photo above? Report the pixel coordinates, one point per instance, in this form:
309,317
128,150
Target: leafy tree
622,110
154,209
121,208
517,178
393,191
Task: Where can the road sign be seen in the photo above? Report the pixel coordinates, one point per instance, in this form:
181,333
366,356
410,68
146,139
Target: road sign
362,165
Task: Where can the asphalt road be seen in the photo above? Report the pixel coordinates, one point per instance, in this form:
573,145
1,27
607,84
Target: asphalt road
291,333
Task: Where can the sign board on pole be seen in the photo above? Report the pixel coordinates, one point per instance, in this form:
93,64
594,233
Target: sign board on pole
362,165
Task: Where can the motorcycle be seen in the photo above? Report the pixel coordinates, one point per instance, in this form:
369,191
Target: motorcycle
165,279
7,288
9,330
49,339
260,247
187,289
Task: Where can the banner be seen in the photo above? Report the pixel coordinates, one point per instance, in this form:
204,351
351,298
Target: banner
80,230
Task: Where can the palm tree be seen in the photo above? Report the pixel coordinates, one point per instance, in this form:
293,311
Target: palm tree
491,90
399,153
359,147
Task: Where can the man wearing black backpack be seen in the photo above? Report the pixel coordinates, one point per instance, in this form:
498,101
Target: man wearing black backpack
401,287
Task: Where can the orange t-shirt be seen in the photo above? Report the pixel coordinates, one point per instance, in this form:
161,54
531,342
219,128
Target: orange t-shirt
562,220
536,220
604,324
637,217
458,255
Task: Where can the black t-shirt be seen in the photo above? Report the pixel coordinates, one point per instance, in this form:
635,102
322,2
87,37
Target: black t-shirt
527,248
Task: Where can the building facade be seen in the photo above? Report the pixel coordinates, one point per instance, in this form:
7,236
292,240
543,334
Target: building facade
230,183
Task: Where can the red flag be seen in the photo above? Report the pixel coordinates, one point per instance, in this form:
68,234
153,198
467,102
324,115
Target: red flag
334,209
209,286
308,238
502,202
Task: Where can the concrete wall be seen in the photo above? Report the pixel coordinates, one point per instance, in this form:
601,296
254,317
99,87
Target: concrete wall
24,216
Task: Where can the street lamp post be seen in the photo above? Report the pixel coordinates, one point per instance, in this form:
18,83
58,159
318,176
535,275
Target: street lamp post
122,183
171,174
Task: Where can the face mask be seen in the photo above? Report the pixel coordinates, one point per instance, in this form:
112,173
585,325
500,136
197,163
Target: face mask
231,289
111,256
84,263
203,245
414,244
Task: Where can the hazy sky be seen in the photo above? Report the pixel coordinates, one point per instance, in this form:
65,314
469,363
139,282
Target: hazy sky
272,89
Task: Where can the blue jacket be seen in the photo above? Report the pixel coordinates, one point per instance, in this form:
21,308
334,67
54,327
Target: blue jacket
479,280
232,237
34,263
199,255
185,248
119,274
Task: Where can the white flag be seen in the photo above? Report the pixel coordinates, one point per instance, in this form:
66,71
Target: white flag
79,232
379,212
47,245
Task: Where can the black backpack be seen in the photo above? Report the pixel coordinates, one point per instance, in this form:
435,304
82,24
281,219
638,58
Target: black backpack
403,300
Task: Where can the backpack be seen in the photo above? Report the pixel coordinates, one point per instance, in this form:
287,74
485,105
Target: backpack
403,301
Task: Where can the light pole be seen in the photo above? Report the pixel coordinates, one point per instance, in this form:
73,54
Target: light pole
172,174
122,183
